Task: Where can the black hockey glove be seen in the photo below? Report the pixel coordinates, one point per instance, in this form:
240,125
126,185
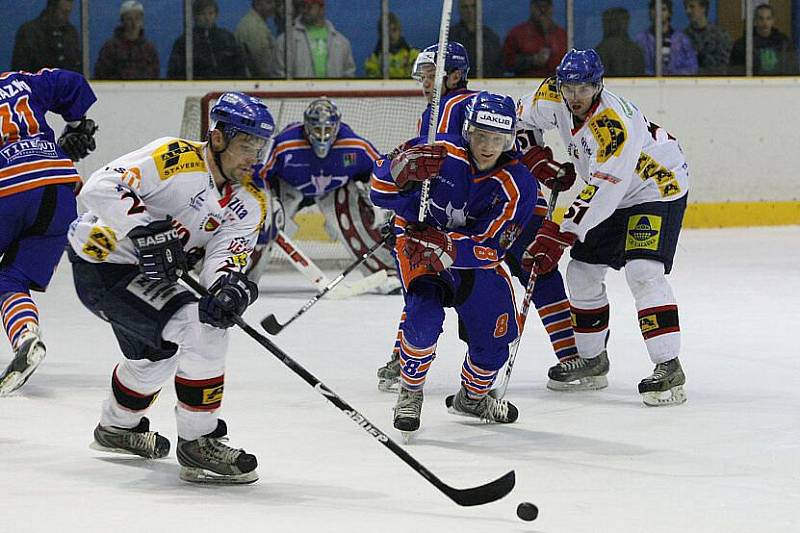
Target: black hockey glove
160,251
78,140
227,297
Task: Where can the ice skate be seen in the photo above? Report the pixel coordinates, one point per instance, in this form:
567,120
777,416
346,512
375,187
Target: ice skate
209,460
389,375
488,409
27,358
407,412
577,373
665,385
138,440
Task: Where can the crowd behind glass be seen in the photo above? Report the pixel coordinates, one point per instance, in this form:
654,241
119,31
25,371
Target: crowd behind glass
248,39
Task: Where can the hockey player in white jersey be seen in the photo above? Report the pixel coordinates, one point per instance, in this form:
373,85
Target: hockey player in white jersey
628,215
151,215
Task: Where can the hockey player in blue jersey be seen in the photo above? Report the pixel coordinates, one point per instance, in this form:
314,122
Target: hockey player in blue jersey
549,296
323,161
480,199
37,199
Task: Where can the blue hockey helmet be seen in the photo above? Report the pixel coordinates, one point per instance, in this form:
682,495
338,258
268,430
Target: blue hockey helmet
234,113
455,58
321,121
491,112
580,66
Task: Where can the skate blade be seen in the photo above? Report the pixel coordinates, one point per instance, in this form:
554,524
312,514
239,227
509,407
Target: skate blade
12,380
588,383
392,385
674,396
199,475
94,445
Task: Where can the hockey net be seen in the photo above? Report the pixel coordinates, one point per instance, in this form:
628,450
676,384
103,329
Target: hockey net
385,118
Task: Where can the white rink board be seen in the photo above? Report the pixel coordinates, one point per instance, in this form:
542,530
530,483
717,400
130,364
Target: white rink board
727,461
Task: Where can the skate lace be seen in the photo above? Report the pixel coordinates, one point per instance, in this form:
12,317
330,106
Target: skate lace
217,450
142,441
660,372
408,405
572,364
494,410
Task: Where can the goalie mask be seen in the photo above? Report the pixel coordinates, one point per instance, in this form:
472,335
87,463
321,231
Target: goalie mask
321,121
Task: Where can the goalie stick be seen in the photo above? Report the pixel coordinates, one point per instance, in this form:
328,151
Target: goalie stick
271,324
489,492
500,391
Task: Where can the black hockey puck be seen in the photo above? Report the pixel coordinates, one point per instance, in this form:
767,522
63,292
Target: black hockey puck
527,511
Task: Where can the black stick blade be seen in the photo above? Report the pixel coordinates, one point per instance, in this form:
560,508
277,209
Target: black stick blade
271,325
487,493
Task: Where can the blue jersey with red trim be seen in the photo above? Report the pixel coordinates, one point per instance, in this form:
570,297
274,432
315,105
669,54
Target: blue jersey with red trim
452,113
482,211
29,155
293,161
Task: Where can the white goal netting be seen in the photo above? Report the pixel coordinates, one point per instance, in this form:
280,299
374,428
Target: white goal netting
385,118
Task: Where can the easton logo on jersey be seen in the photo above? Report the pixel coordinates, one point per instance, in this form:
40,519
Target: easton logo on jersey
609,132
643,232
178,156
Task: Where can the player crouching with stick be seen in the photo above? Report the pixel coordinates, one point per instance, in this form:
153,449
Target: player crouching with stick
150,213
480,197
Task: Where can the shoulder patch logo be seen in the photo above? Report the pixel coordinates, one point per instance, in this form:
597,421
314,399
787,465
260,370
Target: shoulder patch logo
349,159
178,156
609,132
548,90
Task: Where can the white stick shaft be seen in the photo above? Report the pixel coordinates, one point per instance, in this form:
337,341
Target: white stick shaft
301,261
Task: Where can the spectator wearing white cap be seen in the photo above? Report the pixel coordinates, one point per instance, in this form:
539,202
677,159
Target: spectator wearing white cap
128,55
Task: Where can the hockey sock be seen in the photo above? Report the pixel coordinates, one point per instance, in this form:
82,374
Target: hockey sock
591,329
556,320
396,349
657,308
414,364
19,313
477,381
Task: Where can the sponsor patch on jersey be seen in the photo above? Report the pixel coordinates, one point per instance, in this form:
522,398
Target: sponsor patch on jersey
649,168
101,241
178,156
495,120
588,193
239,260
349,159
510,235
644,232
606,177
132,177
548,90
609,132
34,146
211,223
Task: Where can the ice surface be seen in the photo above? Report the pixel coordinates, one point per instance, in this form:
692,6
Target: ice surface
727,461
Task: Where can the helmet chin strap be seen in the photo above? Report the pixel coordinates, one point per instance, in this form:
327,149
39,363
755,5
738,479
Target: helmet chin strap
217,156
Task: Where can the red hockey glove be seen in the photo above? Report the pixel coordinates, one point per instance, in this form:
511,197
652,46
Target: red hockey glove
428,250
417,164
546,249
554,176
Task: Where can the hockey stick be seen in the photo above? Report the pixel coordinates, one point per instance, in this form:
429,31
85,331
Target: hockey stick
444,28
301,261
271,324
479,495
500,391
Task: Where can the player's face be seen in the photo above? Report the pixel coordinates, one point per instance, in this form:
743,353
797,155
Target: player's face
579,96
486,147
426,75
242,153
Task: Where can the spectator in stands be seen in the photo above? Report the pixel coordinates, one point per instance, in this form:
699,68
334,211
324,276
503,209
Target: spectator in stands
320,50
712,43
678,54
128,55
535,47
621,56
48,40
216,52
256,40
773,53
464,33
401,55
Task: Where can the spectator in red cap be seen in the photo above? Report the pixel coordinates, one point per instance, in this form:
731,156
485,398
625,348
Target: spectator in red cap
320,50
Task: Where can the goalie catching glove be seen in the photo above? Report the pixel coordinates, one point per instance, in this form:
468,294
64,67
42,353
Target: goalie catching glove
555,176
418,163
227,297
77,139
160,250
547,248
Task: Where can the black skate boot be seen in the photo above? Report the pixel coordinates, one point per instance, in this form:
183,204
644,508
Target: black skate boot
407,412
29,355
665,385
578,373
209,460
389,375
135,441
489,409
